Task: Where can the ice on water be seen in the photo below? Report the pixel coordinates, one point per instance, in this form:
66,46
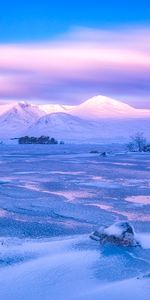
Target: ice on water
51,199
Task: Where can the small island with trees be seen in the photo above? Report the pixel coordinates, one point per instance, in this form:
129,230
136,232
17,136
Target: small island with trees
138,143
38,140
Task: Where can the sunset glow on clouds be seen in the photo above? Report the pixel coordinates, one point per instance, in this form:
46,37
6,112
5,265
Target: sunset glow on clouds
78,64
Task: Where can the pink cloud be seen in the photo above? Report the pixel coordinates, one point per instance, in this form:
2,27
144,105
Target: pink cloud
83,55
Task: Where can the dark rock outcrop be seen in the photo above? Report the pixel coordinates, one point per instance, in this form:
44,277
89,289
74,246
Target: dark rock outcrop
120,234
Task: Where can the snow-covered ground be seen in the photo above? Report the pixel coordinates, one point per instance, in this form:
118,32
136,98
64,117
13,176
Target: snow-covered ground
51,198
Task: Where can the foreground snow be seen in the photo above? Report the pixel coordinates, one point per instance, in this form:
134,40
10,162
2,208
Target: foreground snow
71,268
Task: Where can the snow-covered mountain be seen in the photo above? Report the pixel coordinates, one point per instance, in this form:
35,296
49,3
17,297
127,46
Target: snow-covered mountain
6,107
62,126
100,107
95,119
18,118
52,108
71,128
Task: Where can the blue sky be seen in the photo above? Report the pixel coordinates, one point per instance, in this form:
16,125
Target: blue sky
68,51
37,20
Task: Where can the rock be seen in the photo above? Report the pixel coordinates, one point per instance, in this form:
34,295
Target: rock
104,154
120,234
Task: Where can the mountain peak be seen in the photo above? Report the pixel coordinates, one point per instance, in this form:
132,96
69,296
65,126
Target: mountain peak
107,102
18,118
83,119
23,104
102,107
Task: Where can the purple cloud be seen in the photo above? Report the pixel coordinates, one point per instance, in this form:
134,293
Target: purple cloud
78,65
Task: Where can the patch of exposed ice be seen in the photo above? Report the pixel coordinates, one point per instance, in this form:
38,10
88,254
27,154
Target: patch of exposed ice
73,195
101,206
142,199
69,195
123,164
67,172
130,215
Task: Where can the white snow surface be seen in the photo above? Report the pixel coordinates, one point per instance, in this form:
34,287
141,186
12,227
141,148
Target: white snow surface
15,121
72,128
114,229
60,269
98,107
97,118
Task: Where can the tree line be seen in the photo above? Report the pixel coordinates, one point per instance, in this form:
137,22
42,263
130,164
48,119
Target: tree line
38,140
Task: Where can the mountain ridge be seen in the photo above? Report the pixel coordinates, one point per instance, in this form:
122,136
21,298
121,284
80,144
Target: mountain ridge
100,106
72,128
98,116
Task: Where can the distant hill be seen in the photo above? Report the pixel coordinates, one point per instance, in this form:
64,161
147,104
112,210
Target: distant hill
97,119
15,121
99,107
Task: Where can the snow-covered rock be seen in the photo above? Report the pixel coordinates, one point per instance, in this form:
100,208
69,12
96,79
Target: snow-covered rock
120,233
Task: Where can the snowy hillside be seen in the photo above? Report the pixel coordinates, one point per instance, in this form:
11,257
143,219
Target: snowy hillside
62,125
16,120
103,107
70,128
52,108
97,118
98,107
6,107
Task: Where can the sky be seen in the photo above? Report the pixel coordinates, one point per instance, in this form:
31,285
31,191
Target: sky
68,51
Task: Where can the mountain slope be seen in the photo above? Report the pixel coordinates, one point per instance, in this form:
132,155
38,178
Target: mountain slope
103,107
16,120
71,128
62,125
93,120
6,107
52,108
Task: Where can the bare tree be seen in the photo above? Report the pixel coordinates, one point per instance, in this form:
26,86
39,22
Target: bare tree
137,142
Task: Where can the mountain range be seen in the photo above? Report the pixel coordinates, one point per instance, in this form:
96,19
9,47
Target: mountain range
97,119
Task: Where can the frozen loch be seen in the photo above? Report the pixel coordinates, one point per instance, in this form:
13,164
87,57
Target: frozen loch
51,199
